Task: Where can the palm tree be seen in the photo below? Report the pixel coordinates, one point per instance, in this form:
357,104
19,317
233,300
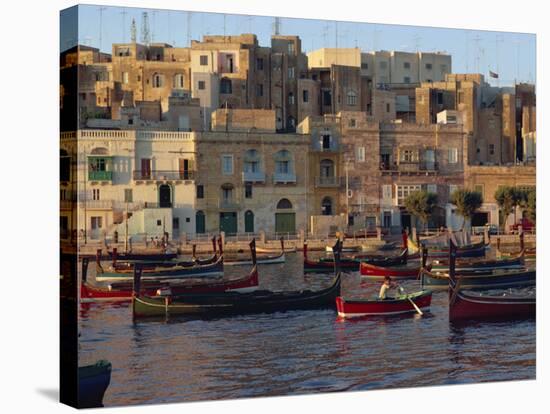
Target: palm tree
467,202
421,205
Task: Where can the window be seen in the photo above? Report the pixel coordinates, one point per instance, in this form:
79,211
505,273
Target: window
178,81
159,222
361,154
204,60
403,191
351,98
248,190
408,156
95,194
291,98
227,192
386,192
200,191
202,85
260,90
176,223
125,77
388,108
291,48
128,195
226,86
97,222
259,64
138,78
428,66
327,99
291,72
453,155
440,98
364,66
284,204
431,188
352,123
478,188
251,161
158,80
406,79
227,164
326,141
282,162
406,65
305,95
443,68
383,65
492,149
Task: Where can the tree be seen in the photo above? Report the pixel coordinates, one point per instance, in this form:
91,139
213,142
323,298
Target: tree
466,202
421,205
531,206
506,199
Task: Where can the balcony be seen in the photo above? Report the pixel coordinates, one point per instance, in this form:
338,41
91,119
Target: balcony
228,204
254,177
100,175
284,178
410,168
162,175
327,182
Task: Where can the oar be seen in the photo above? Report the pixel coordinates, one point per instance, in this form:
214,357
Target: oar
410,300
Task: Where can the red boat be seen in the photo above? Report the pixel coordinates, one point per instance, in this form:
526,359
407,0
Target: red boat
484,306
122,291
349,308
397,272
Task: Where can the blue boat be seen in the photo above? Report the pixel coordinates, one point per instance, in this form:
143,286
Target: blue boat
93,381
494,279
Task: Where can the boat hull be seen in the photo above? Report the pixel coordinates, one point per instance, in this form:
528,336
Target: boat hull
93,381
467,306
378,272
349,308
124,291
235,303
260,260
494,280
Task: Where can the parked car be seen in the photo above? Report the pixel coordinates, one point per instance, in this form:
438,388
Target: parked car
493,229
525,223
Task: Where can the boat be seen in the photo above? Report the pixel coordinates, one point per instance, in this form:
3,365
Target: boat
528,253
349,249
93,381
266,259
260,301
122,291
482,278
470,250
401,304
464,306
142,256
157,273
395,272
471,266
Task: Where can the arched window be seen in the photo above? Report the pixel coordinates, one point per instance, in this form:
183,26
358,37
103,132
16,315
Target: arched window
284,204
226,86
352,98
251,161
178,81
158,80
326,206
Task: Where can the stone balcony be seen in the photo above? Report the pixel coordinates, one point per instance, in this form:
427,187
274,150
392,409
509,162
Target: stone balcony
330,182
284,178
163,175
410,168
253,177
229,204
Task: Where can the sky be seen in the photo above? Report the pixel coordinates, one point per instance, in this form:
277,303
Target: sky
511,55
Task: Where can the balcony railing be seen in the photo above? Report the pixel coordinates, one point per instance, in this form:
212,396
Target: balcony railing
327,181
255,177
163,175
410,168
228,204
283,178
100,175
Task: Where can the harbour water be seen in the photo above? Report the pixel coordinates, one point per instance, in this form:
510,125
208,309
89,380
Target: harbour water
298,352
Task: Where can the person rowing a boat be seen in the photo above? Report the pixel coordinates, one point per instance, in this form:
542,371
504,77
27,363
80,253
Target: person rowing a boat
387,285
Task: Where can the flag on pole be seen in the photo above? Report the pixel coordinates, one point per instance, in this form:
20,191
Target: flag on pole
493,74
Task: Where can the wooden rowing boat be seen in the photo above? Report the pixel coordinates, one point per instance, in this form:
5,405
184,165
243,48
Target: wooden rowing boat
158,273
469,266
233,303
395,272
122,291
398,305
493,279
528,253
464,306
471,250
265,259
